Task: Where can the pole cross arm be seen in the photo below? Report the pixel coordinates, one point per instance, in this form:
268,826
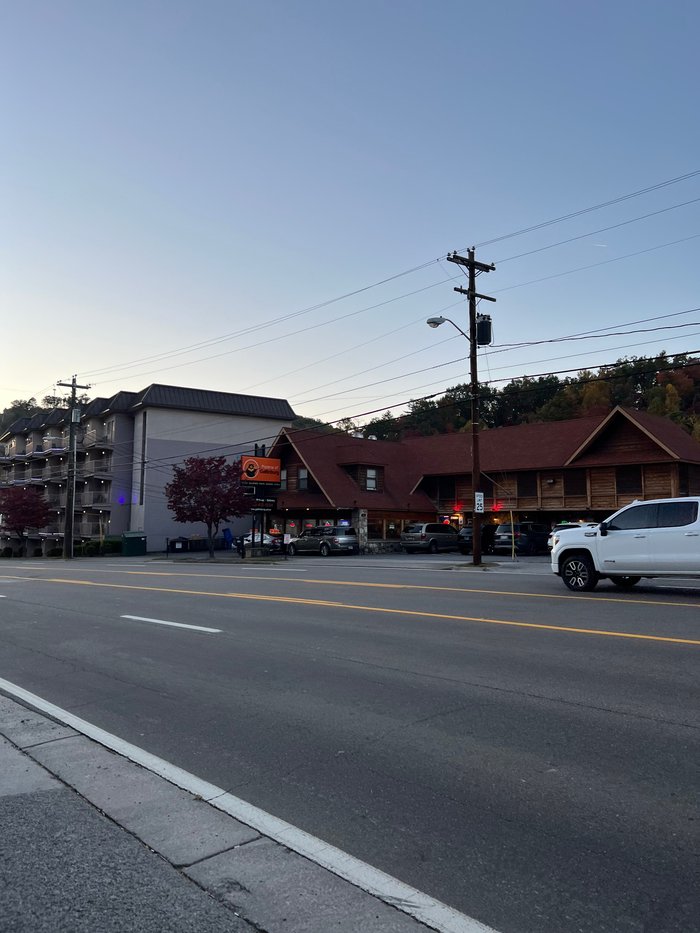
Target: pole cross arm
471,263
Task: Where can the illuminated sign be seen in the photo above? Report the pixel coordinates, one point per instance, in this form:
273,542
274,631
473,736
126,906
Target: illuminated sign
260,470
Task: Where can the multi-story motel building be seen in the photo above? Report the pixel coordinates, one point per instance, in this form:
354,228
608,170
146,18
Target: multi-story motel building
126,448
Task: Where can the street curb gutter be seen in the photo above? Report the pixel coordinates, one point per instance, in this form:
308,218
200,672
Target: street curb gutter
391,892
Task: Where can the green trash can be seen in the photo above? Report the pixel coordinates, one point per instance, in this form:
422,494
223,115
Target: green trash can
133,544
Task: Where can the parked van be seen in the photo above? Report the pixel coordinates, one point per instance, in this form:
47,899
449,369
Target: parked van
430,537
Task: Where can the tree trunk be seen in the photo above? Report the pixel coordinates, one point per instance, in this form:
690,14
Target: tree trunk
210,541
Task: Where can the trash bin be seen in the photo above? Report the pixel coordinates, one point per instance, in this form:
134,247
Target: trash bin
178,545
133,544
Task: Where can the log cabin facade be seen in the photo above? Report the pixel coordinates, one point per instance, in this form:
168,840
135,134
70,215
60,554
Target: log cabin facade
582,469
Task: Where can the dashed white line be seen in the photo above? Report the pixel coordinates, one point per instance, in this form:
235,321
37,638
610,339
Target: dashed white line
197,628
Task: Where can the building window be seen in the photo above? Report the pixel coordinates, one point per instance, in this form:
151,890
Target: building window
527,485
283,479
575,483
303,478
628,480
371,483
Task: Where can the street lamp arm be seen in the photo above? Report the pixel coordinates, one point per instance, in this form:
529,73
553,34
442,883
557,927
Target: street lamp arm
437,321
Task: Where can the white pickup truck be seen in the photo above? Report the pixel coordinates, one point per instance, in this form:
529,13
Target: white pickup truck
654,538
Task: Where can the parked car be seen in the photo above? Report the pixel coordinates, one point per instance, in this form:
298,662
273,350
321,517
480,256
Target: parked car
528,538
267,540
656,538
430,537
466,537
325,540
564,526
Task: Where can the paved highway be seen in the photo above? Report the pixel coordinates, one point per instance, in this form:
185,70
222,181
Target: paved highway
527,755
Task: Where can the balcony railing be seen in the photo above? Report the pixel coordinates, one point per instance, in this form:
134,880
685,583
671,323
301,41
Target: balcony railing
96,468
90,529
93,499
97,439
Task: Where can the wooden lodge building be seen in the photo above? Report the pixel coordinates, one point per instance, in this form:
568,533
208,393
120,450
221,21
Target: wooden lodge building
582,469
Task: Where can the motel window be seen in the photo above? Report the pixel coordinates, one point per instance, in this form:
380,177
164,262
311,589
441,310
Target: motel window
371,484
303,478
283,479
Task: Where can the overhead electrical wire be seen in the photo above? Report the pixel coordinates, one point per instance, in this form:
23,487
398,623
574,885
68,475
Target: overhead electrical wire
320,305
583,236
589,210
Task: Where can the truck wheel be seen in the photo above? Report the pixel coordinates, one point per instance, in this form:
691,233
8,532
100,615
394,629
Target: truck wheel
578,573
291,550
324,550
432,547
625,583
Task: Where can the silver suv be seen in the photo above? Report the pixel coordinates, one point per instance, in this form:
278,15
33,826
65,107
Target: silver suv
653,538
429,536
325,540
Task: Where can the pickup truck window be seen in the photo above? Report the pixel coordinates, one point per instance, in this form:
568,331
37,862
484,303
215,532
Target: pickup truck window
675,514
640,516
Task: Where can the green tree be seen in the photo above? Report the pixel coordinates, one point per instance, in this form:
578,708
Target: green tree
19,408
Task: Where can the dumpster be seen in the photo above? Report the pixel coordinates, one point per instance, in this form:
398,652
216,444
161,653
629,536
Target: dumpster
178,545
133,544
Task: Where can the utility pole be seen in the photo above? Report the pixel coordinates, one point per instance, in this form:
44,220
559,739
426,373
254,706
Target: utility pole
474,268
74,418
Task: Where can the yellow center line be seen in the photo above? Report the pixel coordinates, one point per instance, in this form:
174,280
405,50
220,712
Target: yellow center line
406,586
403,612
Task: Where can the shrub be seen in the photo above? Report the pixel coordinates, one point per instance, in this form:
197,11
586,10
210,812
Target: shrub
54,552
6,552
37,552
91,548
112,546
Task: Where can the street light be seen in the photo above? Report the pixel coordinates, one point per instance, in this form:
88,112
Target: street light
476,462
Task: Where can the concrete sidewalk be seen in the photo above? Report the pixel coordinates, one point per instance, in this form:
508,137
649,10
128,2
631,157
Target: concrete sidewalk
91,841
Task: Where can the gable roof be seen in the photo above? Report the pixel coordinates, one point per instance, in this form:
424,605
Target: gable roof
669,439
204,400
541,446
327,455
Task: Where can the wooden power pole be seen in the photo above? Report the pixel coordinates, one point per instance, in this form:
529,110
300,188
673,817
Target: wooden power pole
474,268
74,418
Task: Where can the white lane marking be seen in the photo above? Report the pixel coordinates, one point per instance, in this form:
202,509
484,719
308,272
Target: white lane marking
403,897
197,628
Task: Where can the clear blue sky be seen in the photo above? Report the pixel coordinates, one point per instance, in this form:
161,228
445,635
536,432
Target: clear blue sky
177,172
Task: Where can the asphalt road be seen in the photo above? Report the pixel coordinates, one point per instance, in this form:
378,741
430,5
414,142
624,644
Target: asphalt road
529,756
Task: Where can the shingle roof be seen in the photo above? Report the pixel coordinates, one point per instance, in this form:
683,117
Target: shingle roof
550,445
95,407
17,427
325,454
120,402
520,447
225,403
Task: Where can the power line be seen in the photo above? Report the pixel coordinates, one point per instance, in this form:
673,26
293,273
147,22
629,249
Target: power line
594,265
583,236
320,305
589,210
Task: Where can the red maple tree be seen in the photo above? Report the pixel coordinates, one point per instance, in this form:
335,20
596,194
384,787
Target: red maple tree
22,508
208,490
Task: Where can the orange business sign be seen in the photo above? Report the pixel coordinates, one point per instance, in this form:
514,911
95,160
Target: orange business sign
260,470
